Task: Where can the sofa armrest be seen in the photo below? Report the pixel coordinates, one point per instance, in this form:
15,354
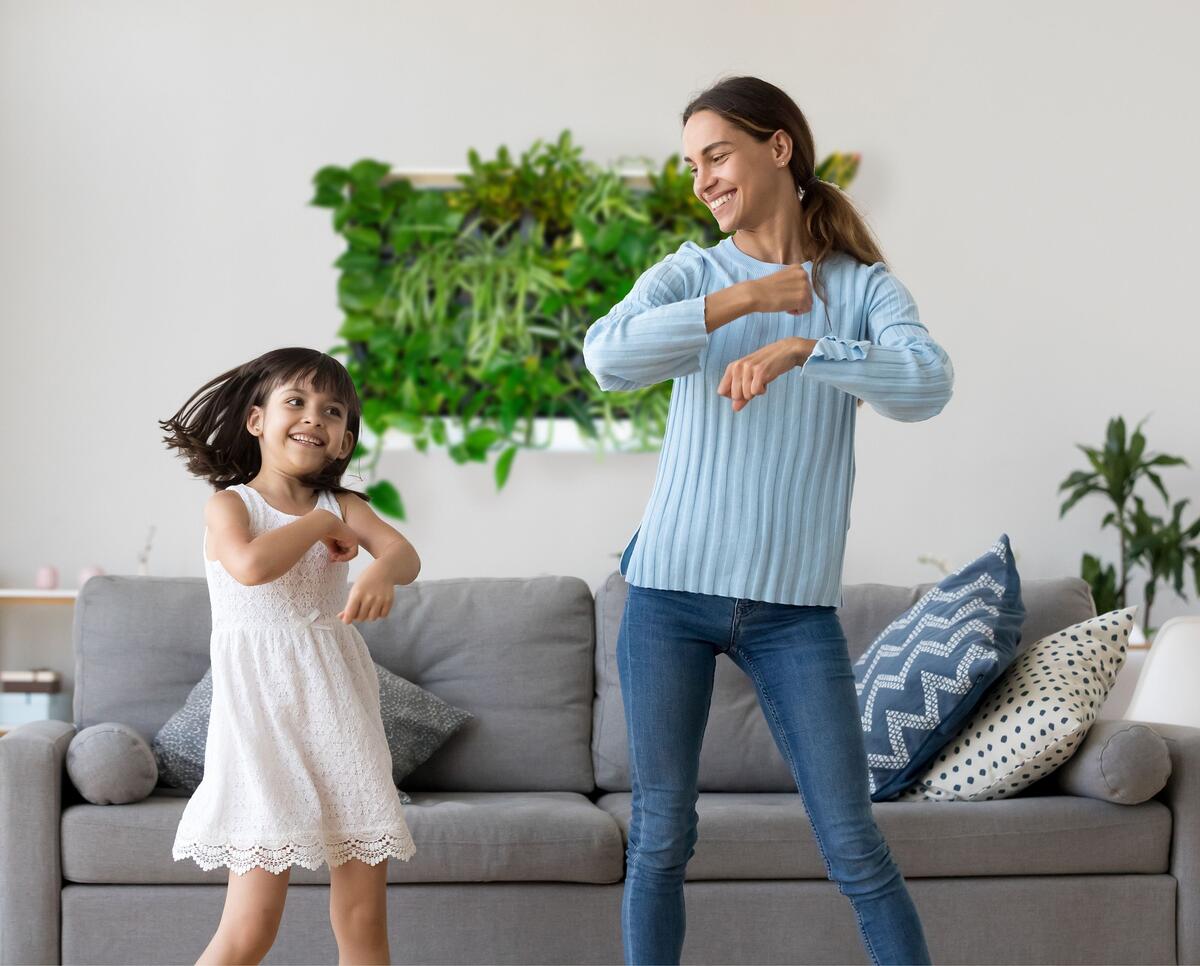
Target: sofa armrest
1182,796
32,764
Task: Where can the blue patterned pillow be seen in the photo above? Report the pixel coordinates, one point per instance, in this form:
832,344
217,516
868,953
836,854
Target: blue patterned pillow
925,674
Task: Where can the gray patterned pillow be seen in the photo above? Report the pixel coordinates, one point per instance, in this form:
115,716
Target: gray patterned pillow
415,722
179,745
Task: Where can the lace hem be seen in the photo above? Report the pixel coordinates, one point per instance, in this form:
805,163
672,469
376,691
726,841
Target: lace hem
241,859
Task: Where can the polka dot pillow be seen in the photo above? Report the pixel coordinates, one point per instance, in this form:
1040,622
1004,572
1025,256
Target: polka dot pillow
1033,718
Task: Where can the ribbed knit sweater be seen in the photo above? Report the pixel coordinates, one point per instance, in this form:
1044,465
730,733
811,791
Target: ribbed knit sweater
756,504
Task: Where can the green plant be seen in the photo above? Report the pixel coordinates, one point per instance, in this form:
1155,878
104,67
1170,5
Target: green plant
1162,548
465,308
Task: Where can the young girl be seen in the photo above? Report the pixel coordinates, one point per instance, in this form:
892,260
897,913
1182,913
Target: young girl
297,769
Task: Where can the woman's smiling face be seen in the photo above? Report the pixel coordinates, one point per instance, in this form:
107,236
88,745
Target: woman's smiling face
738,178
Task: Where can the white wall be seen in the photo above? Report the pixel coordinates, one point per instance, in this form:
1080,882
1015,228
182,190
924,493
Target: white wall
1028,167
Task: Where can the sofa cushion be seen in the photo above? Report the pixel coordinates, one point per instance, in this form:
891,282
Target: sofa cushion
1034,717
516,653
461,837
924,675
768,836
739,753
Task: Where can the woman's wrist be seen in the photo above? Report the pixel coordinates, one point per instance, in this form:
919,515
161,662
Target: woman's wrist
801,349
722,307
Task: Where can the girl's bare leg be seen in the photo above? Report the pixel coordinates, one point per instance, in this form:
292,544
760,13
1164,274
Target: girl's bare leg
250,920
358,912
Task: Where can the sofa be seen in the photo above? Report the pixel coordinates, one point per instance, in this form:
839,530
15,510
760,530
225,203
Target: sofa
520,818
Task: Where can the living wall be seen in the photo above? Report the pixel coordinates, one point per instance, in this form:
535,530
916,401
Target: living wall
465,308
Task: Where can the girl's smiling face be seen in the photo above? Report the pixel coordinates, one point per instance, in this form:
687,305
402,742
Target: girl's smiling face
740,180
300,429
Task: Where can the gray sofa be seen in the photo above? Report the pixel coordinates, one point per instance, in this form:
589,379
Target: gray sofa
519,819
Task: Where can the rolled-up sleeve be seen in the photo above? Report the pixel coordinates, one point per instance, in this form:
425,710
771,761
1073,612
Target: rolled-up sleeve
899,370
657,331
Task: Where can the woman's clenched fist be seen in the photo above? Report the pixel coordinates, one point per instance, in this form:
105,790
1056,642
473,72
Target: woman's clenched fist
787,290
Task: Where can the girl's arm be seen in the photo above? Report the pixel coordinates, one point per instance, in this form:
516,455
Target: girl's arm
269,555
900,370
656,332
396,562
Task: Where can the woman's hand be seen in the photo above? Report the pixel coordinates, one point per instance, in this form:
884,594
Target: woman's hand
370,598
750,375
339,538
787,290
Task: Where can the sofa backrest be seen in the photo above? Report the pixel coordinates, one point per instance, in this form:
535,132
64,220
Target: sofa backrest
738,753
516,653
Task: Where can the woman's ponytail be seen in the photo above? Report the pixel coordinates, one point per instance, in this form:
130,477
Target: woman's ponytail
835,225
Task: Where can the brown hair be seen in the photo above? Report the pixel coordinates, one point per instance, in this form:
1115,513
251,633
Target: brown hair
760,109
210,428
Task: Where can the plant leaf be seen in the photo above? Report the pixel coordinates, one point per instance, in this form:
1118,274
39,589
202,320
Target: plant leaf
386,498
504,466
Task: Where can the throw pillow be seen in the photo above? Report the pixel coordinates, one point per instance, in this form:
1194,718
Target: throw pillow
1035,715
179,744
924,675
1119,761
111,764
416,722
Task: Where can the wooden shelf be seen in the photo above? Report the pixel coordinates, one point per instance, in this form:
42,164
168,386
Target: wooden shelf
33,596
447,178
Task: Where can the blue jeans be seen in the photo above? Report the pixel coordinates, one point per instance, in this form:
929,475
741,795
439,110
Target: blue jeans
798,660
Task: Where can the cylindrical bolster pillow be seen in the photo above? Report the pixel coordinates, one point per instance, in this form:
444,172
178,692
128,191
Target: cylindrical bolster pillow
111,764
1119,761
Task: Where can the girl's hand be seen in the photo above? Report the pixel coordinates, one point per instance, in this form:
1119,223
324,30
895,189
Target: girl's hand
786,290
370,599
749,376
341,540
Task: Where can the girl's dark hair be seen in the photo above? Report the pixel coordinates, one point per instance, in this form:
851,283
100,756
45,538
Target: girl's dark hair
210,428
760,109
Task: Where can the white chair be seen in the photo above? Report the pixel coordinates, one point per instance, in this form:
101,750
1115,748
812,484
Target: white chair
1168,689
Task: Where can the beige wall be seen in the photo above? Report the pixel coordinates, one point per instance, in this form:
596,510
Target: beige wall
1029,167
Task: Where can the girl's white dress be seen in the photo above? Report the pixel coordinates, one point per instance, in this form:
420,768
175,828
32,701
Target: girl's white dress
296,769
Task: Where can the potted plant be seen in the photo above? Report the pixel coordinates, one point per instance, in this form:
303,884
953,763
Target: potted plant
1163,548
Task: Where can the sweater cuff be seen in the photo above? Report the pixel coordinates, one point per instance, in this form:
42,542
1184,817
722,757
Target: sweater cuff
839,350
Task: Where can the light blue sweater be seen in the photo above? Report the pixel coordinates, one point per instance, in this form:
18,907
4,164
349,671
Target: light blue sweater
756,504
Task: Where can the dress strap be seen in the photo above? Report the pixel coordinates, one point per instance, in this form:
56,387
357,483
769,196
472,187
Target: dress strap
255,505
328,499
240,489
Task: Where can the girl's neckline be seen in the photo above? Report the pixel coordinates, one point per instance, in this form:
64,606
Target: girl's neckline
741,256
295,516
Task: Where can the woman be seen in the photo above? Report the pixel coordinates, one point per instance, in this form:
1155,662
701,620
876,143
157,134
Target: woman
741,546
